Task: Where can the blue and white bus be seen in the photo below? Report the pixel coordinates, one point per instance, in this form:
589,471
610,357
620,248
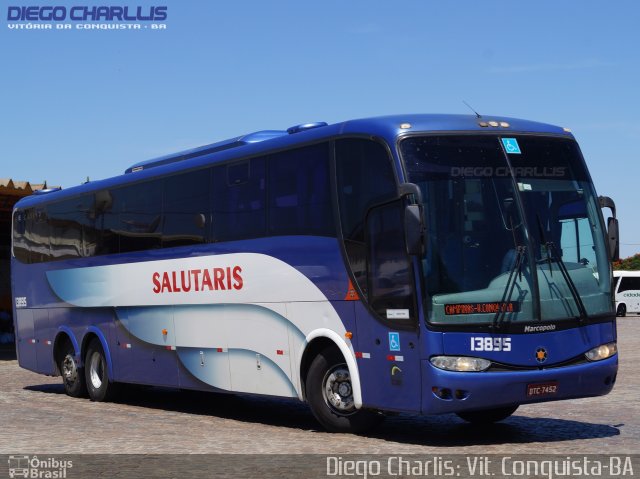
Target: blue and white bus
426,264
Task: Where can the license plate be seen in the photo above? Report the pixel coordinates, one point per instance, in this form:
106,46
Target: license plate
542,389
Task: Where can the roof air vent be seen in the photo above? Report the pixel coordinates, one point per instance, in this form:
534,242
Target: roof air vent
305,126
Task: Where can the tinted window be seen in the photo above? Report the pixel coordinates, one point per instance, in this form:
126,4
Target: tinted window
20,245
239,192
365,179
105,238
390,283
70,227
140,208
128,219
299,194
629,283
37,235
186,209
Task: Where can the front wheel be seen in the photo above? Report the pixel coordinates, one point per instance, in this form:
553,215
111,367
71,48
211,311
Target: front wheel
622,310
487,416
99,386
330,395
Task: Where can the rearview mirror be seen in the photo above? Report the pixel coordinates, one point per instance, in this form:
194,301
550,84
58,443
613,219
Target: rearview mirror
414,230
613,236
613,229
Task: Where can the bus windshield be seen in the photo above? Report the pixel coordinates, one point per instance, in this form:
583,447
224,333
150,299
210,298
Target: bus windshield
513,229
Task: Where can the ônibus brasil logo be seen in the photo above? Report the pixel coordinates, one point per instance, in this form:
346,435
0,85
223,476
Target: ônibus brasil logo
50,467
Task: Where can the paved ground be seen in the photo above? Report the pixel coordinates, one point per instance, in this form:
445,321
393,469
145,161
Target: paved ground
38,418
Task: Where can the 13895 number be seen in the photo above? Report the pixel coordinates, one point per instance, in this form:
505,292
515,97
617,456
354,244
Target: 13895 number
490,344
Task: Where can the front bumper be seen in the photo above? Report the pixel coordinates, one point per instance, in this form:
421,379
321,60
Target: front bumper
465,391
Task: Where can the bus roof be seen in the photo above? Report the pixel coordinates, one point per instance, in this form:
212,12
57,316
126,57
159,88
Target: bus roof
626,273
252,144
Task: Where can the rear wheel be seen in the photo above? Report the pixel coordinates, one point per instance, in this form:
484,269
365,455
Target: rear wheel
72,375
99,386
622,310
487,416
330,395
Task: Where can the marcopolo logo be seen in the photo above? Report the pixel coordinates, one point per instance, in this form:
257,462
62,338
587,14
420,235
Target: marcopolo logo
50,13
32,467
540,328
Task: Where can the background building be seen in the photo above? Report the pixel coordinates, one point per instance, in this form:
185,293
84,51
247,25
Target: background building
10,192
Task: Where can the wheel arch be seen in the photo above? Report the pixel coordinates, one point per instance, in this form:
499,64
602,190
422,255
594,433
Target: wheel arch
93,332
64,336
317,341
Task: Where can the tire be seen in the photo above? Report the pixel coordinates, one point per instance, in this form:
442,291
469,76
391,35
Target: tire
622,310
330,395
73,378
487,416
99,385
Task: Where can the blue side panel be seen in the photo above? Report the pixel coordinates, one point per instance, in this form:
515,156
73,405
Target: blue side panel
390,379
136,361
43,333
25,339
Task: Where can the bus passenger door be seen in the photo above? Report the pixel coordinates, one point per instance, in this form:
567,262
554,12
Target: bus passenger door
389,330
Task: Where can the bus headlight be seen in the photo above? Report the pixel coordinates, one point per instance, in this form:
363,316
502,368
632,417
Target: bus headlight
603,351
460,363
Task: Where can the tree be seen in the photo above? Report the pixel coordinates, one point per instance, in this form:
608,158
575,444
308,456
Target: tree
632,263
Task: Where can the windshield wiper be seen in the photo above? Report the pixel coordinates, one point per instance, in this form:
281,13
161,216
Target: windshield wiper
515,271
552,253
551,247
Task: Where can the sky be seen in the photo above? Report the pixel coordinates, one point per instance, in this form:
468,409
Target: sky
89,103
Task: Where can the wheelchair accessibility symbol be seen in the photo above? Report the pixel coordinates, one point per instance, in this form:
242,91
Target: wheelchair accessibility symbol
511,146
394,341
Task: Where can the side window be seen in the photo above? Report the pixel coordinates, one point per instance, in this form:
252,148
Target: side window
239,197
37,235
186,209
629,283
105,237
69,225
365,178
127,219
20,244
140,218
299,193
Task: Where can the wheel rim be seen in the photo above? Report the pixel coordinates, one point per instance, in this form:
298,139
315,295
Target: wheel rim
96,370
337,390
69,369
